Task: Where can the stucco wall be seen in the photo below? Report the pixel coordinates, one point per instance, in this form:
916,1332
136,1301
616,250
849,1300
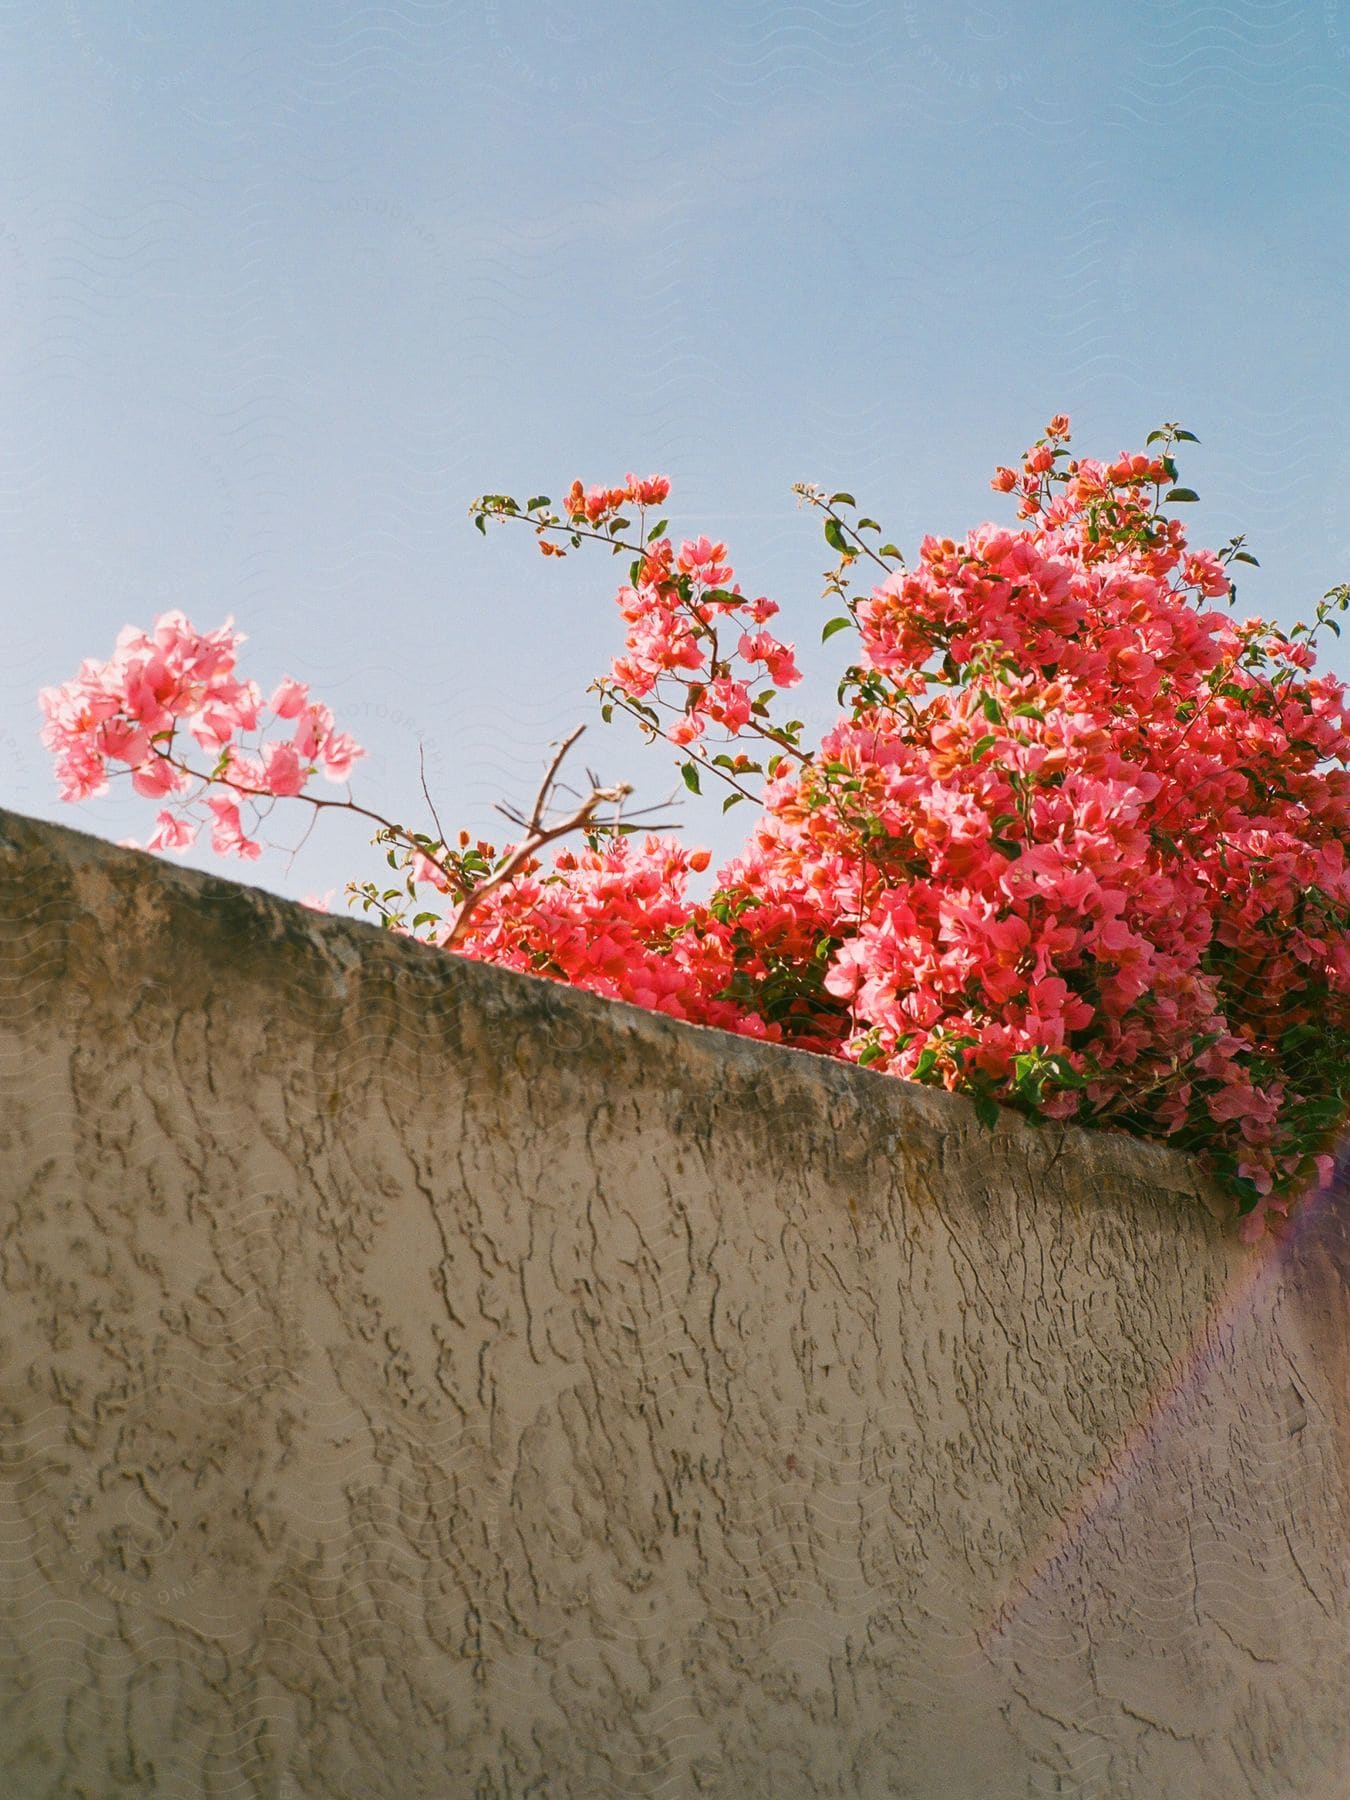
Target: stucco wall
417,1380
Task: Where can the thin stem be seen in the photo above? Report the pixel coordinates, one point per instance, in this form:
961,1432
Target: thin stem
567,530
864,548
617,698
400,832
775,736
426,792
538,834
816,499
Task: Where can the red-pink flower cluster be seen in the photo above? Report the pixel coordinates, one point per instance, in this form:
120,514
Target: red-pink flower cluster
689,624
1077,845
594,505
614,919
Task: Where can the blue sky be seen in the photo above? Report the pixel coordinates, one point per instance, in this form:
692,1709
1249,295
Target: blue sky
282,290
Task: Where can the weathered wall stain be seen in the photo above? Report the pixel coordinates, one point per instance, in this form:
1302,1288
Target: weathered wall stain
418,1380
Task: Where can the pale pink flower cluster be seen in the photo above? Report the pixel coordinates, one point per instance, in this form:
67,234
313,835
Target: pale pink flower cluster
160,694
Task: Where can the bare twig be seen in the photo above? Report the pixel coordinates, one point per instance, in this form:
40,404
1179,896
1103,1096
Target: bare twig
539,833
426,792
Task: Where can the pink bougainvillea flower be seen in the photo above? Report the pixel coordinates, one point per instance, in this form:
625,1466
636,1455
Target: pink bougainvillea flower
760,646
289,698
313,724
340,753
172,833
157,777
282,772
227,832
651,492
424,870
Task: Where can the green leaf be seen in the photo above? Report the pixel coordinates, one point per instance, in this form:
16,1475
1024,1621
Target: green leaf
1187,437
478,521
1247,1194
538,500
833,626
986,1110
869,1055
1154,437
690,773
657,530
868,525
730,801
889,550
834,537
985,744
842,500
926,1064
607,712
991,709
1066,1074
1243,556
1183,494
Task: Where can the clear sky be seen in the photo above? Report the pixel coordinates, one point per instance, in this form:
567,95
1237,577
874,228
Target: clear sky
283,287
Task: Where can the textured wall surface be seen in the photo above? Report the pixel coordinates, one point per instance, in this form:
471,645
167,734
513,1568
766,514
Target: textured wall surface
417,1380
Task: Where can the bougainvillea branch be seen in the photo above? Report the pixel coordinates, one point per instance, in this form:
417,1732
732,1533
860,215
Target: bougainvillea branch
1075,846
540,832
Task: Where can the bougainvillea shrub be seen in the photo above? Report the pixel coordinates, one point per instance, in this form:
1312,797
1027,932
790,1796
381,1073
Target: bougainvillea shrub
1076,844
